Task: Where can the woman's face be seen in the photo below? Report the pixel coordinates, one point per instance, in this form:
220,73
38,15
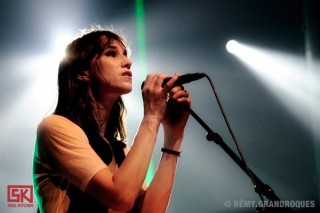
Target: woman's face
112,70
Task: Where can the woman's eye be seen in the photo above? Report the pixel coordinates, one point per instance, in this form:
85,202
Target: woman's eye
111,53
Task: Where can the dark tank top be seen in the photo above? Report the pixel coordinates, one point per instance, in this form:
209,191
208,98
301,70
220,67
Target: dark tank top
81,202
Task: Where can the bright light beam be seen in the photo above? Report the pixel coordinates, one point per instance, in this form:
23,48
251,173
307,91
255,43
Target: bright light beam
232,46
139,9
44,72
287,77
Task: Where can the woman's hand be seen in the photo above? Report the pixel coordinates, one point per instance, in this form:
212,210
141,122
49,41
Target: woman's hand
176,116
155,97
166,104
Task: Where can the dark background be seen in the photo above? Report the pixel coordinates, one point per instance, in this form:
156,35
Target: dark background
186,37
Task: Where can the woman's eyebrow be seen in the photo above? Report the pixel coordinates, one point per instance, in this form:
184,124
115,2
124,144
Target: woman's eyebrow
111,47
115,47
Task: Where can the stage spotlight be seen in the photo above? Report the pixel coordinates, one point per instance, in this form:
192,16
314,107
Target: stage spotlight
232,46
286,76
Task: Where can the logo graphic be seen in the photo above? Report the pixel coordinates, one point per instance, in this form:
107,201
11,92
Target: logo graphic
20,195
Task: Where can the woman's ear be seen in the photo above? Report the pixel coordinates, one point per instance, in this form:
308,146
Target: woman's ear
83,75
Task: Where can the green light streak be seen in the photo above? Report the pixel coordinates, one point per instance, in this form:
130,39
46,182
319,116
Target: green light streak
139,12
141,38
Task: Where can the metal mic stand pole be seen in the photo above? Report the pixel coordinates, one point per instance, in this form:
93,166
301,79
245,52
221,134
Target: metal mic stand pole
260,187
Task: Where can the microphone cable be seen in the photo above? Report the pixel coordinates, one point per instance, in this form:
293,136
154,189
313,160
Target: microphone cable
232,133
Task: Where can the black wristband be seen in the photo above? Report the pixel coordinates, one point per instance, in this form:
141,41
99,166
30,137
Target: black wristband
170,151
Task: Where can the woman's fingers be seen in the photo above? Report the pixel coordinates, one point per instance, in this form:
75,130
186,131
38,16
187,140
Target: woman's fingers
178,92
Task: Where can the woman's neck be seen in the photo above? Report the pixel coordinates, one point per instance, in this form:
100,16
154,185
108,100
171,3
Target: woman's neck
101,110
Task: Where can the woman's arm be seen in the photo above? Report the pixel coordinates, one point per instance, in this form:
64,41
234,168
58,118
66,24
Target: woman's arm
120,190
157,196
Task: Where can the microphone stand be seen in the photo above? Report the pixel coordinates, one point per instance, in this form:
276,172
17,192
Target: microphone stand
260,187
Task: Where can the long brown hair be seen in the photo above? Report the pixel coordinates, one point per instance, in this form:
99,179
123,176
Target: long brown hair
74,101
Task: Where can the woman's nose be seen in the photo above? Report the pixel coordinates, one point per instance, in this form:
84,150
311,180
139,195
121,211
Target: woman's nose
127,62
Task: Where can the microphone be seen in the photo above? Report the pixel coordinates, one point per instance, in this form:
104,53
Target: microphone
183,79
